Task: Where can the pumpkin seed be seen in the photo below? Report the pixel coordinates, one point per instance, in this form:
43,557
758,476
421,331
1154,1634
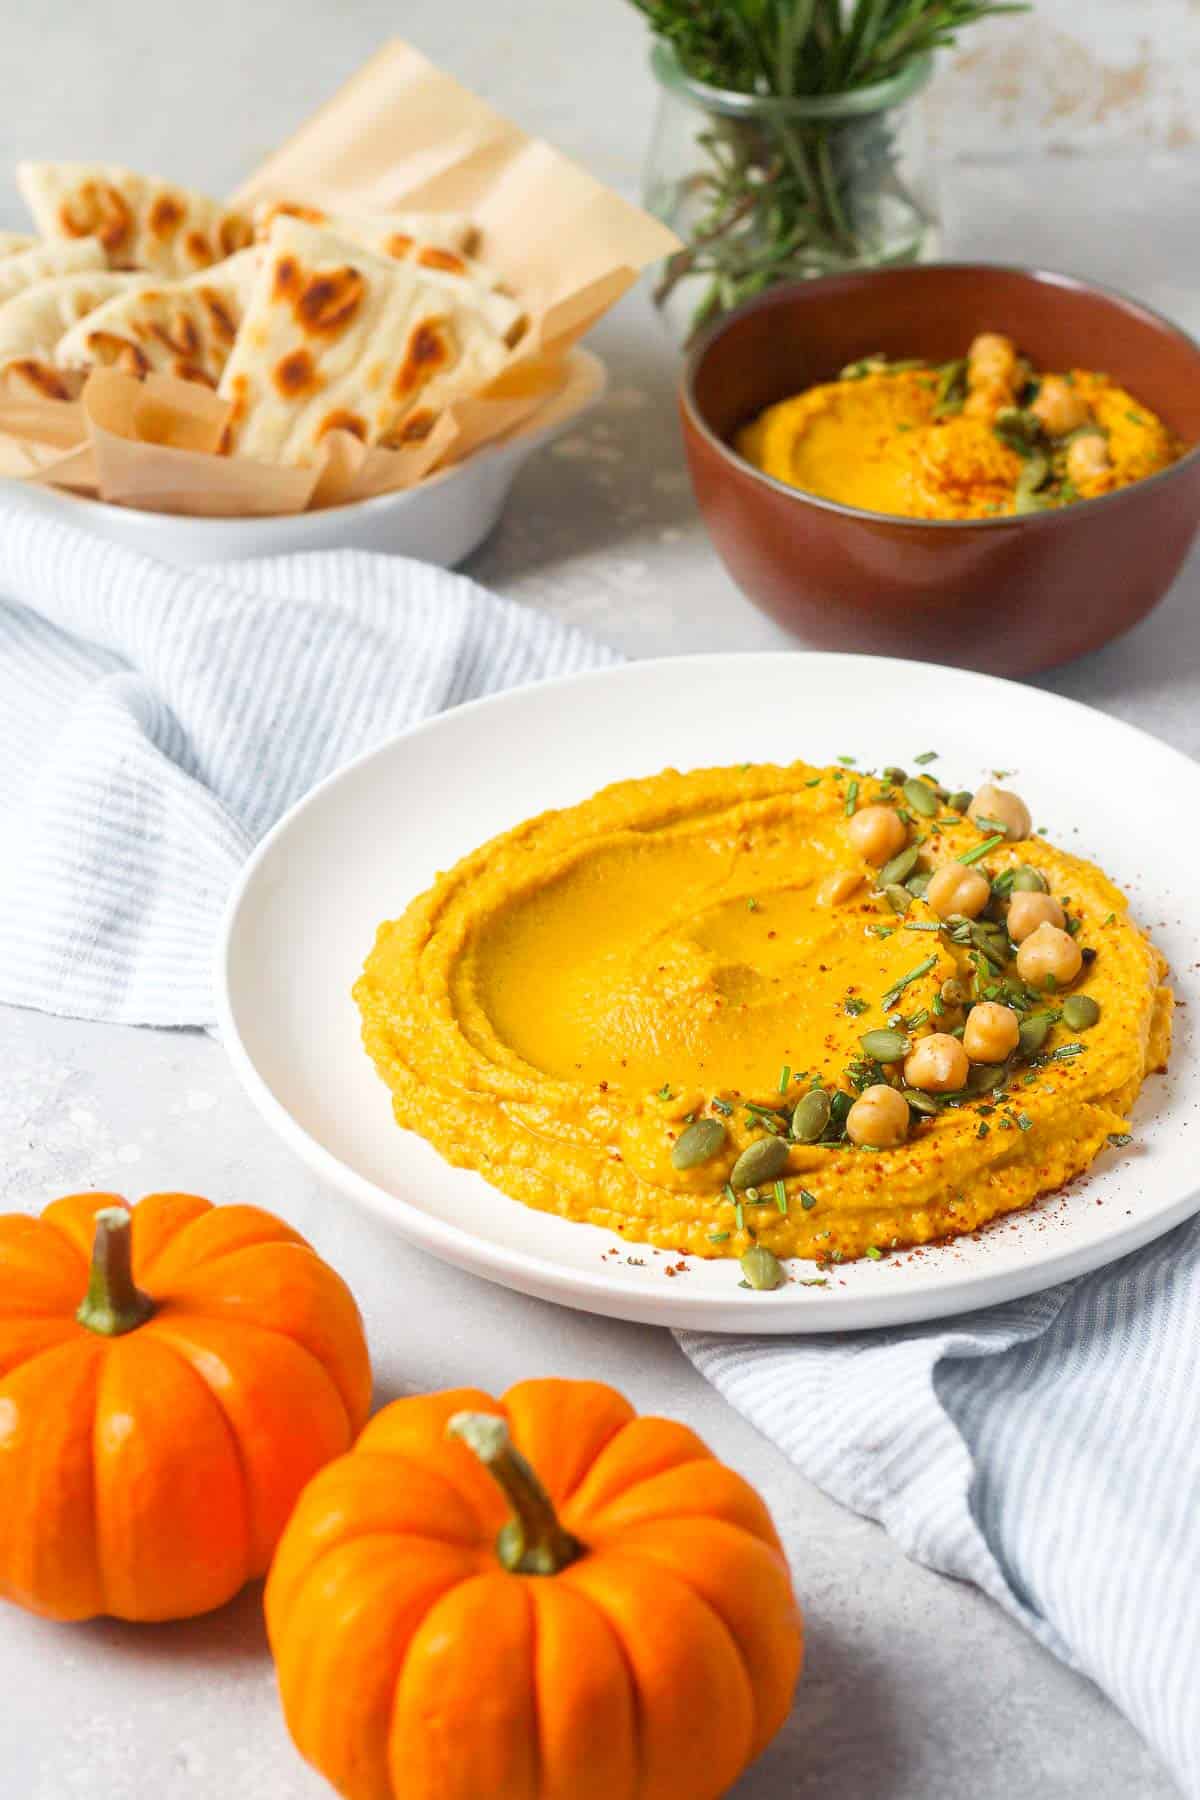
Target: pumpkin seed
762,1268
959,802
811,1116
896,776
921,1102
886,1046
1029,881
918,884
1019,430
1033,1033
986,1076
1026,498
839,1106
759,1163
951,388
698,1144
900,867
898,898
1080,1012
921,798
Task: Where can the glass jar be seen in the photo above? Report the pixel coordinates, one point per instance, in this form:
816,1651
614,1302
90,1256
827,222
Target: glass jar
763,188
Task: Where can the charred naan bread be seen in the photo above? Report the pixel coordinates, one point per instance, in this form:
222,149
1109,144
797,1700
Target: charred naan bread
32,323
436,243
183,328
143,223
12,241
336,337
44,261
387,233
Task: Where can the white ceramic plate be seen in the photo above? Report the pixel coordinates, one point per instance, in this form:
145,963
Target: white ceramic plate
360,846
439,521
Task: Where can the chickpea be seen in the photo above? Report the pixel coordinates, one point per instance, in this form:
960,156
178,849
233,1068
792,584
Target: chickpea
879,1117
991,1032
938,1063
1008,810
955,889
838,887
992,362
877,832
1049,954
1087,458
1027,911
1058,407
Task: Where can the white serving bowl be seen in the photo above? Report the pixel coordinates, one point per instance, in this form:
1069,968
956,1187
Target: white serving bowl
440,521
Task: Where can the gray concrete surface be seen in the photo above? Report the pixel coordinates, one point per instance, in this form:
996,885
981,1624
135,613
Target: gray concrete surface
917,1689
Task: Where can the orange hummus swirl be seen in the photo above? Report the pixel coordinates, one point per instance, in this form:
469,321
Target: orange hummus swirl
561,1005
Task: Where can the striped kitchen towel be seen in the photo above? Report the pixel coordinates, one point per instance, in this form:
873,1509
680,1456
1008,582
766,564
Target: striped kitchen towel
1048,1451
155,722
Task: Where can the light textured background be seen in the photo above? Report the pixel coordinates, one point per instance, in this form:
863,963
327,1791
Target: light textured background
916,1688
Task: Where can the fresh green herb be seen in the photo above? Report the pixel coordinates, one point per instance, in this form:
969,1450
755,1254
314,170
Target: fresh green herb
664,1092
785,1076
1119,1139
722,1106
1024,1121
851,799
807,1200
981,850
873,1251
751,904
781,1196
848,760
895,991
926,756
1066,1051
815,782
718,1237
854,1006
813,1281
922,925
739,1217
984,1128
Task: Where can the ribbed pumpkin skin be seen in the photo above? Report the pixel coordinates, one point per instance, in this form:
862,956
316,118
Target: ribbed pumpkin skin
148,1476
412,1666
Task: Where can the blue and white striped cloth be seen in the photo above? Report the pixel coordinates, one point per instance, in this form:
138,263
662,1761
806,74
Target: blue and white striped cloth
154,723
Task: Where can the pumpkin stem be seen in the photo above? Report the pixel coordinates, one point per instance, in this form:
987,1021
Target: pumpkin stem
533,1542
112,1304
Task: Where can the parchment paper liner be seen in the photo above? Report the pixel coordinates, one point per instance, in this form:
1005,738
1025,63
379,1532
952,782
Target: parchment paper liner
400,133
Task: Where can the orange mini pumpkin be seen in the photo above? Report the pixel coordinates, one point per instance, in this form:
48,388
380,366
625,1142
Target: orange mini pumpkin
445,1627
160,1414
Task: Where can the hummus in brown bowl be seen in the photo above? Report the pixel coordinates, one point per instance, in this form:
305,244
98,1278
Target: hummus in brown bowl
809,1011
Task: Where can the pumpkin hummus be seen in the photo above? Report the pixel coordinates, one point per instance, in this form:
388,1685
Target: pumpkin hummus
968,439
560,1008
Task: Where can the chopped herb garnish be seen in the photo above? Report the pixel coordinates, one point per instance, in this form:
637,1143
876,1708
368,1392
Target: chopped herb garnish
718,1237
815,782
1065,1051
854,1006
813,1281
807,1200
973,856
851,799
1024,1121
722,1106
739,1216
664,1092
849,760
1134,418
926,756
785,1075
881,931
781,1196
984,1128
1120,1138
730,1195
922,968
751,904
922,925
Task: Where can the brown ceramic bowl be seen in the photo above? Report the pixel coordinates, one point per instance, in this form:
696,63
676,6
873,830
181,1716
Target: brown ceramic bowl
1008,595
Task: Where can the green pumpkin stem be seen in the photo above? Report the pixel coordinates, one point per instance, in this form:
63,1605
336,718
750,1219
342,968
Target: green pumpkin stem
533,1542
112,1304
